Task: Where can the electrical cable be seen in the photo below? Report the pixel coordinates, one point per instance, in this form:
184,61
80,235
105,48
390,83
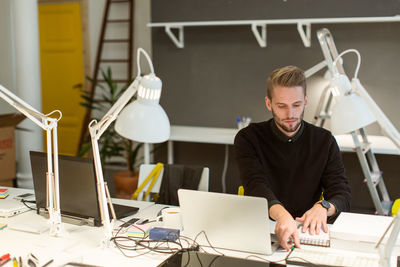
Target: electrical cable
358,57
163,247
226,160
208,241
124,244
142,244
28,201
307,261
258,257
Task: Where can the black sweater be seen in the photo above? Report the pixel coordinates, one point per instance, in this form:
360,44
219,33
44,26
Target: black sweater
292,172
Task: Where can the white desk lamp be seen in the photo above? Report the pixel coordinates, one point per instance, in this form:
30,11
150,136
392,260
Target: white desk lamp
353,109
350,111
143,120
48,124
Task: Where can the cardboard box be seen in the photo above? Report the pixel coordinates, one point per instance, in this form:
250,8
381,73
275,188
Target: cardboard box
8,122
8,183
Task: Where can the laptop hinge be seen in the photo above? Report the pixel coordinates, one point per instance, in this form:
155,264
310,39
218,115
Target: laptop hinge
69,218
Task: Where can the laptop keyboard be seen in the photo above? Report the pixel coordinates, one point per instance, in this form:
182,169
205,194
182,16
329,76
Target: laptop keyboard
328,258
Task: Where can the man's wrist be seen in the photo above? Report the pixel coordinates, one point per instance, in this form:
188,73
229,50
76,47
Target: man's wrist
278,212
326,205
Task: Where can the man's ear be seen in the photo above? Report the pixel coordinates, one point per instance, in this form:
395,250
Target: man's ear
305,100
268,103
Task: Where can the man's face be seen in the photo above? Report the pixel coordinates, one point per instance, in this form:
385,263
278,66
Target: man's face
287,106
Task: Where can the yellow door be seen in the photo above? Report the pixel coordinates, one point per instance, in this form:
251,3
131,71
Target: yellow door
61,58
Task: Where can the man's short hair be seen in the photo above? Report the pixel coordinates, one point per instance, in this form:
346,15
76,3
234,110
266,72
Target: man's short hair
288,76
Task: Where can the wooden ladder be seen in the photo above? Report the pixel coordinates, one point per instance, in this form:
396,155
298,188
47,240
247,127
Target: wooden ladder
100,59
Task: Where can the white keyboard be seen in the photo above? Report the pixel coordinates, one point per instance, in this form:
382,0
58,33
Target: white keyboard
329,258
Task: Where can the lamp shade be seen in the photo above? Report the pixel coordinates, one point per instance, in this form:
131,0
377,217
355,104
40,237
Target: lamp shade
350,113
144,122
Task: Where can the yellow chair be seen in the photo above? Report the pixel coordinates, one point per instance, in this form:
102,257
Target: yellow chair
148,172
241,190
153,177
395,207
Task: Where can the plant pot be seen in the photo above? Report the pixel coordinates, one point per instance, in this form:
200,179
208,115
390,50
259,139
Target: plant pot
125,183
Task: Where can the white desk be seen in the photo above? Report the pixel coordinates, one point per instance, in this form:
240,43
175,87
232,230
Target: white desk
80,245
212,135
82,242
379,144
208,135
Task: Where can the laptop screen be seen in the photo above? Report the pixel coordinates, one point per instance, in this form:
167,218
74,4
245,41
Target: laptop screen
78,195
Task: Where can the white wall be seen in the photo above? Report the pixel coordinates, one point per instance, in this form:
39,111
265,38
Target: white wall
142,38
6,53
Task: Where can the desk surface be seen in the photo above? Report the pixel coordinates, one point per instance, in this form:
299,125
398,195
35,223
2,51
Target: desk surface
81,244
213,135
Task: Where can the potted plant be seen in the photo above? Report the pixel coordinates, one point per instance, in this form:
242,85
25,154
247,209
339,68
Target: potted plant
112,146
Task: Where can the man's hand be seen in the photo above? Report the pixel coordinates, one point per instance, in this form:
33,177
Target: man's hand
286,227
314,219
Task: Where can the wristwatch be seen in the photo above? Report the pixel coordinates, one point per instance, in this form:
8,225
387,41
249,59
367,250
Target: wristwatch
324,204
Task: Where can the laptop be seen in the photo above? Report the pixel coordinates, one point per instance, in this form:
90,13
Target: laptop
78,194
239,223
11,207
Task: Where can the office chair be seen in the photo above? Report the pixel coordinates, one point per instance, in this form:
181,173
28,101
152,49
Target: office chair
146,169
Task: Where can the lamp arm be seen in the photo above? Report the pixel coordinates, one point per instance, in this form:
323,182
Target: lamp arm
102,125
96,129
386,126
386,253
311,71
50,126
29,111
329,51
101,192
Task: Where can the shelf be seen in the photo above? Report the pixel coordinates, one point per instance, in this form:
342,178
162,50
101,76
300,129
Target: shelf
259,27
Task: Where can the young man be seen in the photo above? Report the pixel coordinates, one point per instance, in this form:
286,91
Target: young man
291,162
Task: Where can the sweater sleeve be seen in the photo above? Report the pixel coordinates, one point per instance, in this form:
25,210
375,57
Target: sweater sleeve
334,181
253,176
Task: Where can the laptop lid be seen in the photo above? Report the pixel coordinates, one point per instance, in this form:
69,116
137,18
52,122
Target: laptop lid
11,207
230,222
78,194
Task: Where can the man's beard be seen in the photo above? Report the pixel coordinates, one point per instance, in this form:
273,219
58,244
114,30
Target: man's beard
285,127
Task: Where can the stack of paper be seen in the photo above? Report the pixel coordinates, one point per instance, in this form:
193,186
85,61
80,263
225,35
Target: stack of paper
3,193
359,231
141,231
